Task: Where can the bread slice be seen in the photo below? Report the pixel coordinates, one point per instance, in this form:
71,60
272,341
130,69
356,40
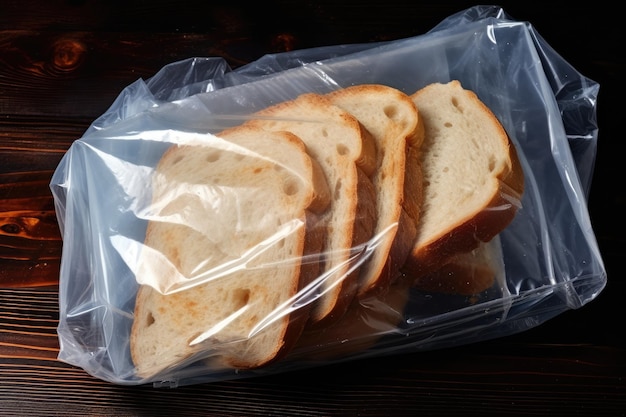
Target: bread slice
347,154
473,181
222,263
392,119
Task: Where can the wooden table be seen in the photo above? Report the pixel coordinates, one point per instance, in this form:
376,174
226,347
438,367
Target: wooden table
62,63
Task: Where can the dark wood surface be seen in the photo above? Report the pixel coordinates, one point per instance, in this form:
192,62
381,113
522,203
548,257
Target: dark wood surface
62,63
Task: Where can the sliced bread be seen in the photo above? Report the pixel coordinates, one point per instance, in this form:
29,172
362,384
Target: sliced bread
223,263
473,180
392,119
347,154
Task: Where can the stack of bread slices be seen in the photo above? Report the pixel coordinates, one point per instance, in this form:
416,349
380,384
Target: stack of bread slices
283,233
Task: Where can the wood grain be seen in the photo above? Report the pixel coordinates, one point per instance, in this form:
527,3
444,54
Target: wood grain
538,378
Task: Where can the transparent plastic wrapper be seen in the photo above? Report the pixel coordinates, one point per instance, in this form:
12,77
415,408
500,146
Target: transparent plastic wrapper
151,233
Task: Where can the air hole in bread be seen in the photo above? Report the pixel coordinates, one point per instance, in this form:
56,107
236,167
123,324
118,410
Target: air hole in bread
342,149
456,104
240,297
177,159
325,133
391,111
448,124
212,156
149,319
291,187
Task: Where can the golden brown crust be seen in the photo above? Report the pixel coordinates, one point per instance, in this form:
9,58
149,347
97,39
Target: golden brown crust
398,253
413,178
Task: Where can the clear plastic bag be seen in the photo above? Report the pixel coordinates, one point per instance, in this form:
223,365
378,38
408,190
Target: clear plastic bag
548,257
